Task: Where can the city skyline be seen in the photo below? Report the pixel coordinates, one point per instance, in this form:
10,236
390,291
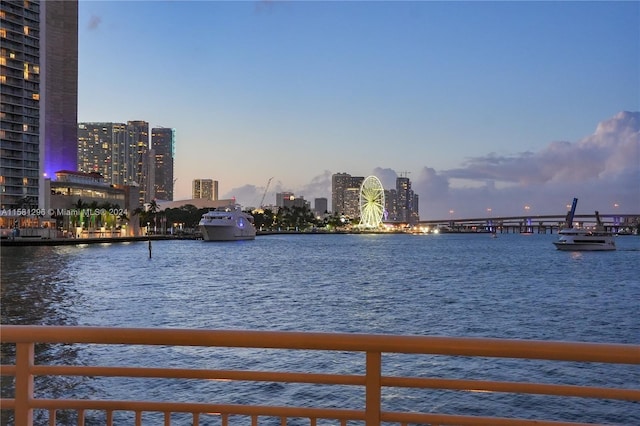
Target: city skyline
301,91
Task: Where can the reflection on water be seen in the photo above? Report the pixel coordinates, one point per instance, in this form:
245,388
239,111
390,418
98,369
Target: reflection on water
37,289
455,285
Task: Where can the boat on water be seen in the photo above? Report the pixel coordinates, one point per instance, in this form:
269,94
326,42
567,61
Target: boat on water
227,224
583,239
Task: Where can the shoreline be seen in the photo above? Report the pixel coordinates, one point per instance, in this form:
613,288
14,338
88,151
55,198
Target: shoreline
25,242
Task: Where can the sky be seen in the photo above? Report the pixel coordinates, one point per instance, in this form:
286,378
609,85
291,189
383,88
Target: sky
487,107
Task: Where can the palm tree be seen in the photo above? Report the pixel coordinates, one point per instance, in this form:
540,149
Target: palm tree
77,218
153,210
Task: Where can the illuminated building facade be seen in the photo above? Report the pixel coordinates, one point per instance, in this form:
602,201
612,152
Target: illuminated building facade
345,194
289,200
401,203
59,95
38,85
104,148
138,136
205,189
163,141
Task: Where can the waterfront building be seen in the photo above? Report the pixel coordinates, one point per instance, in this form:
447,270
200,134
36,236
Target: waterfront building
289,200
390,205
163,147
103,148
86,204
138,136
205,188
407,203
320,206
345,194
59,94
401,203
38,85
121,153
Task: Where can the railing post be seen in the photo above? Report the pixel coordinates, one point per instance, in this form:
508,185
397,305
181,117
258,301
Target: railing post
373,389
24,384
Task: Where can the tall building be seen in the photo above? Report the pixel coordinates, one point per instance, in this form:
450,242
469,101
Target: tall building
320,206
38,86
289,200
163,141
59,97
404,196
205,188
345,194
103,148
401,203
138,136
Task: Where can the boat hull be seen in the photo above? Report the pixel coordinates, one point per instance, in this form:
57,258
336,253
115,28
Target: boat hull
568,246
583,240
226,233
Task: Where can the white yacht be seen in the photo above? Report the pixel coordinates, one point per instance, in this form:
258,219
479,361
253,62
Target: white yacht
578,239
228,224
582,239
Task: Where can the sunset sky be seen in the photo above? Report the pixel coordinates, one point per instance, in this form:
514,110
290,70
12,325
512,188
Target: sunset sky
483,105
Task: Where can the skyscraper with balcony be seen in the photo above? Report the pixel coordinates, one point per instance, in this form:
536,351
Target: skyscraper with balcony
38,86
163,146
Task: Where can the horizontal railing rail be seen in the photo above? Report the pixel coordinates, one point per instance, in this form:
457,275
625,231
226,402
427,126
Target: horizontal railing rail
372,380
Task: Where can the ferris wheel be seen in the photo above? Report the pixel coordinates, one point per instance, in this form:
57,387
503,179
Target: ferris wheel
371,202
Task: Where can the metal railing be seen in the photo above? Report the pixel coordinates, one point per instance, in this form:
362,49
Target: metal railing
372,381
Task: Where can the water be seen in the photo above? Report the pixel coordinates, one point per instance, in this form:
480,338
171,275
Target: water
514,286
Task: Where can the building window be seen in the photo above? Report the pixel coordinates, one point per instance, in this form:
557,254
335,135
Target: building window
26,30
35,96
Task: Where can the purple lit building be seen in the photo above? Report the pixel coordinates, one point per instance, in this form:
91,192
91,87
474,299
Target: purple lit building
59,93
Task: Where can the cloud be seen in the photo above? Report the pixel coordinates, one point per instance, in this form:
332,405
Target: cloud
94,22
244,195
600,169
387,177
319,187
610,150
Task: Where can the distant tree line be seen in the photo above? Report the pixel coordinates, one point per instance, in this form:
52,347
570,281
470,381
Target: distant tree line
188,216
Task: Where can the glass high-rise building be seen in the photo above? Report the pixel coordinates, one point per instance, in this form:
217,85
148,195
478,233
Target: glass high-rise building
138,137
38,90
104,148
163,141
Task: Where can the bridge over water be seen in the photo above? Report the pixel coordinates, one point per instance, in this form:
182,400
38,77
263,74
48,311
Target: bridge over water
540,224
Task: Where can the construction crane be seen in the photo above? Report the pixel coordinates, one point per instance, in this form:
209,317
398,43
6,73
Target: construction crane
265,192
